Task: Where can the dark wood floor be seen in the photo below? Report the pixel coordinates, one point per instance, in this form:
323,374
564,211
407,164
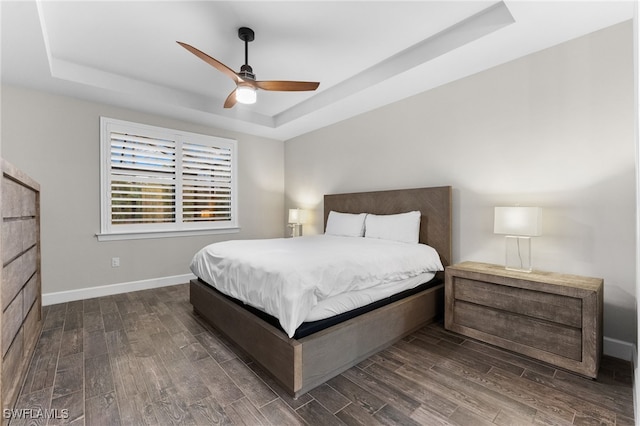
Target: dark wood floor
144,358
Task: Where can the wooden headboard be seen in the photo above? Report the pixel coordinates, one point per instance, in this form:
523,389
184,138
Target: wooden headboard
434,204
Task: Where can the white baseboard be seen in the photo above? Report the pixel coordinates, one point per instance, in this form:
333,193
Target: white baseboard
618,349
107,290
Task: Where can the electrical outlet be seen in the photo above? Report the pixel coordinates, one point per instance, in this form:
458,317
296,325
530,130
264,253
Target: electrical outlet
115,262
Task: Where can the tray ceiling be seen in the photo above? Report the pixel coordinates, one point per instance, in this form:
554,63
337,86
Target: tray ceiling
365,54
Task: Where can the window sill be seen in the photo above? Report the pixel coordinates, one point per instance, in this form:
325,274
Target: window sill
115,236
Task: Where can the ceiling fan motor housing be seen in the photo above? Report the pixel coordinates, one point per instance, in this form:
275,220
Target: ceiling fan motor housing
246,72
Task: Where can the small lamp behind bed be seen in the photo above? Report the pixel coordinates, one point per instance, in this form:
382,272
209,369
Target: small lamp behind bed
518,224
296,219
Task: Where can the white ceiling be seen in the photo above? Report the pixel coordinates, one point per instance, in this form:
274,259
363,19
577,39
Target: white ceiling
365,54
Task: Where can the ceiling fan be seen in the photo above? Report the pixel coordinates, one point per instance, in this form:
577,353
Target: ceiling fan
245,80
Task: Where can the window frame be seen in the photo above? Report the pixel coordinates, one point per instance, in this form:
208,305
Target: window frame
109,231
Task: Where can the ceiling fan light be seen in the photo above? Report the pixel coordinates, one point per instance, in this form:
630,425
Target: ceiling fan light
246,95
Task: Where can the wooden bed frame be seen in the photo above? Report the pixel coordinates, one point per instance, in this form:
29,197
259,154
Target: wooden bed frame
300,365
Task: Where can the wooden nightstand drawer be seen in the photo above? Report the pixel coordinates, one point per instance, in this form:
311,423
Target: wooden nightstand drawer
552,307
527,331
556,318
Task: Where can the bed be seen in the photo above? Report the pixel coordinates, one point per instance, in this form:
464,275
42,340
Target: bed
300,364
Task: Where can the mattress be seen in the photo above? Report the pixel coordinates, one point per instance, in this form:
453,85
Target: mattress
350,300
288,278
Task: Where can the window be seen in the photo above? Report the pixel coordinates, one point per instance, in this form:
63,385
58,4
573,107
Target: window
161,182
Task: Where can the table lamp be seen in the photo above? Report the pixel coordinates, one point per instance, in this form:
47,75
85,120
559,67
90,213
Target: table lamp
296,219
518,224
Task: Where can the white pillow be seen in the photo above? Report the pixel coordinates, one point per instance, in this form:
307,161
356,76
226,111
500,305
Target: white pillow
403,227
345,224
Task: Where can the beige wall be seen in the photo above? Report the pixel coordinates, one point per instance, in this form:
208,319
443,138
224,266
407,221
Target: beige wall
55,140
553,129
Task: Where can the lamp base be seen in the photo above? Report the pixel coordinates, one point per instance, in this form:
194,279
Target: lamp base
518,253
296,229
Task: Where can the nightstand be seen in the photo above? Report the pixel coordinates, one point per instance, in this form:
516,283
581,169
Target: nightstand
555,318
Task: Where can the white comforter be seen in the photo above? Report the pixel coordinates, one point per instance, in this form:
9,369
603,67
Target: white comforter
287,277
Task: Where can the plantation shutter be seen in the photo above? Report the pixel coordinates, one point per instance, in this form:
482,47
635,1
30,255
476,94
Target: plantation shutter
159,182
143,183
206,183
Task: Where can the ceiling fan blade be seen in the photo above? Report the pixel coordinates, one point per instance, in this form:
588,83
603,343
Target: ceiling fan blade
231,100
213,62
287,86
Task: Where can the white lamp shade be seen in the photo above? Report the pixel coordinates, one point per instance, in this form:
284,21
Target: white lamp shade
246,95
297,216
520,221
